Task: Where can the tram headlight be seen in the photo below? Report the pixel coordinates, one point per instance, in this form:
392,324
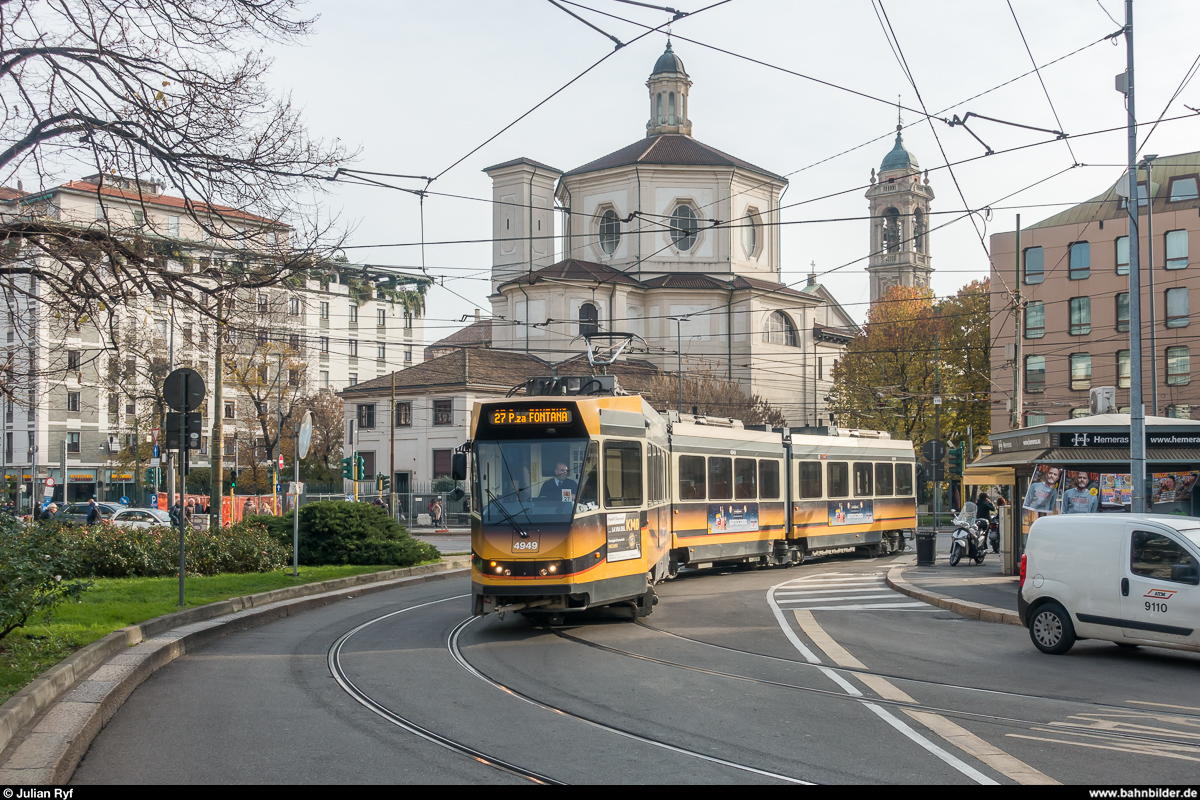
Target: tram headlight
493,563
507,572
554,568
542,572
498,569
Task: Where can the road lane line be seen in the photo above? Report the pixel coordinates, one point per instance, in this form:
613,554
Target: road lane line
825,599
873,607
1133,751
824,641
826,591
1162,705
808,654
950,759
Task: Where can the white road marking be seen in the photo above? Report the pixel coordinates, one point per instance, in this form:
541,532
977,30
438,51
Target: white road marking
871,607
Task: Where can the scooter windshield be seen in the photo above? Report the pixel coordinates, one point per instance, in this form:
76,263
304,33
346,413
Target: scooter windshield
968,513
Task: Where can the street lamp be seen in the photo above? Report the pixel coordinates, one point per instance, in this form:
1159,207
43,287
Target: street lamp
679,320
1148,163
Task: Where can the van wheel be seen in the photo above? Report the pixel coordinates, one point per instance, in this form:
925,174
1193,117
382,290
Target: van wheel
956,551
1051,630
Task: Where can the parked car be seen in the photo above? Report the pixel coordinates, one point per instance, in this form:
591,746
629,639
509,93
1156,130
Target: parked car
1132,579
77,513
140,518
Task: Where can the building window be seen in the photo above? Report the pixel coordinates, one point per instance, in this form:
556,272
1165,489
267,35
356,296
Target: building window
610,232
1123,369
294,307
131,406
230,407
408,321
1122,255
173,227
324,345
1122,311
1081,261
353,309
408,355
101,212
441,463
1177,307
324,379
381,353
353,345
589,319
72,442
1177,249
264,336
380,317
324,310
684,228
1081,371
891,230
74,357
366,415
352,379
1081,316
1035,265
404,414
1035,319
919,226
1179,366
114,405
750,235
1141,191
139,219
73,401
780,330
295,376
294,341
443,412
264,305
1183,188
1035,373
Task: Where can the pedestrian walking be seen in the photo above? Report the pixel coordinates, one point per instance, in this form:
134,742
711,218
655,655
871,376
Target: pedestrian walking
435,512
93,516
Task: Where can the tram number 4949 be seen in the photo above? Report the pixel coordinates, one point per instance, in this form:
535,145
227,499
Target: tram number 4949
1156,606
524,545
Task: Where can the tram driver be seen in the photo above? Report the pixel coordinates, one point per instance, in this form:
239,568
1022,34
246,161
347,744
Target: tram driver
560,487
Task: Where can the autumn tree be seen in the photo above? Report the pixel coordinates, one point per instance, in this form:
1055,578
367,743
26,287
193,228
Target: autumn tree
707,394
912,349
325,451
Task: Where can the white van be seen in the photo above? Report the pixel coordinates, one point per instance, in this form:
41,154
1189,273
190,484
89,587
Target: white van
1132,579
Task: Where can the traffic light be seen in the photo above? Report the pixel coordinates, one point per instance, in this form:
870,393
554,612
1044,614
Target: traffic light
384,482
955,455
348,468
232,478
361,464
151,478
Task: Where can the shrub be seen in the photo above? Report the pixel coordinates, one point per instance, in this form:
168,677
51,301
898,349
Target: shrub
110,551
36,564
337,532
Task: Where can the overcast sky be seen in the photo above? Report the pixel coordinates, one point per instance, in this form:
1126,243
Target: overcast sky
419,85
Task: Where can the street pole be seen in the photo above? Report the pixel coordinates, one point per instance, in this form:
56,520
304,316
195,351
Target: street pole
171,467
296,506
679,356
937,432
1137,411
1149,162
217,447
137,465
275,464
183,443
392,453
1018,366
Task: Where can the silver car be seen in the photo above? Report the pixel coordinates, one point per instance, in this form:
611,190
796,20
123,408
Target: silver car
140,518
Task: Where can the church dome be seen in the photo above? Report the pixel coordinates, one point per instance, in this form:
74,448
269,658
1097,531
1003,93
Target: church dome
899,158
668,62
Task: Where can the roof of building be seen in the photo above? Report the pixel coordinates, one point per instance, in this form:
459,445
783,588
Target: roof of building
668,62
686,280
465,367
9,193
669,149
165,200
477,334
523,160
900,157
574,269
1109,205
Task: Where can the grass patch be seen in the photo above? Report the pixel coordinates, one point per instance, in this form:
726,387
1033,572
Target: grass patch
114,603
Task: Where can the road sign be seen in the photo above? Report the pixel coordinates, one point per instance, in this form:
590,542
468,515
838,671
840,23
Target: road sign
156,454
183,387
50,482
305,436
934,451
124,501
49,492
278,487
281,462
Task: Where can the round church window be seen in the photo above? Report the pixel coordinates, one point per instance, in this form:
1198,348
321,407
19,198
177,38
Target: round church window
684,227
610,232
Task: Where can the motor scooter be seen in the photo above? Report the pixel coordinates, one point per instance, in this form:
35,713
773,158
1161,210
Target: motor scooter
989,531
966,539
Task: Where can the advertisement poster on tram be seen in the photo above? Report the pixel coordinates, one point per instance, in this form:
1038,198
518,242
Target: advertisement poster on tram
738,518
624,536
851,512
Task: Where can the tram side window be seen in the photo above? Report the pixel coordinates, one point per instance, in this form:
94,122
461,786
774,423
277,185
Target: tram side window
720,479
883,479
745,477
768,480
862,479
810,479
839,479
622,474
691,478
653,485
904,483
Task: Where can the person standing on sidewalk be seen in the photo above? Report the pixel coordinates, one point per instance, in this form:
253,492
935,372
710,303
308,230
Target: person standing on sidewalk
435,512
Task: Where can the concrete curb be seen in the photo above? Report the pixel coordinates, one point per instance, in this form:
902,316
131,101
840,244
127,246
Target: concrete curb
984,613
46,728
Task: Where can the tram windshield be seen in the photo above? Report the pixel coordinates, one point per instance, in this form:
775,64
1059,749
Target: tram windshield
544,480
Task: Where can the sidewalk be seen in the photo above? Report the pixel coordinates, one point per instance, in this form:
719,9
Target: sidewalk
974,591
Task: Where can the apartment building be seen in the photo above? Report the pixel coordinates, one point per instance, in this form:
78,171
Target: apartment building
88,387
1073,274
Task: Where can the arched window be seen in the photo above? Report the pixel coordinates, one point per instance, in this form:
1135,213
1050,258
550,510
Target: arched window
658,115
919,225
891,230
672,108
684,227
750,235
780,330
589,319
610,232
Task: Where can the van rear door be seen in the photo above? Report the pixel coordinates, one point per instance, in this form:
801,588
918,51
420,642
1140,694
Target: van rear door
1160,601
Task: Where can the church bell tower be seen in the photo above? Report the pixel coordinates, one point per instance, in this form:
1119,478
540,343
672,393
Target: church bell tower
899,202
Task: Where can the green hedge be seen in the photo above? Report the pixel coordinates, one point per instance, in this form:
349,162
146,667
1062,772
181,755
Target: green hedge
36,567
338,532
110,551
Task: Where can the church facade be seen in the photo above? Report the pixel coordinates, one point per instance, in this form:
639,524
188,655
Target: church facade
677,243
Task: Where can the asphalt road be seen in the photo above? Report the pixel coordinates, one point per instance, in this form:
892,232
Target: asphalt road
817,674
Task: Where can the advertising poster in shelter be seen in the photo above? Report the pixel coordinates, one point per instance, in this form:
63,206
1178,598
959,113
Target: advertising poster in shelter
1081,494
1116,489
1172,487
1043,489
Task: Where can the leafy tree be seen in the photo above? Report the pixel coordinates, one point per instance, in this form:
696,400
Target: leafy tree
912,349
36,564
323,462
704,393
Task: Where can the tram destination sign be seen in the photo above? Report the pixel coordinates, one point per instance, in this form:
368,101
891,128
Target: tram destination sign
1082,439
558,415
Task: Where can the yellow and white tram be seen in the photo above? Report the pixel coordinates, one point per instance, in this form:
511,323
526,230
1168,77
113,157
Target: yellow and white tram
584,501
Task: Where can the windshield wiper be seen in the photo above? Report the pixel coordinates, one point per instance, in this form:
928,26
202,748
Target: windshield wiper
507,516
